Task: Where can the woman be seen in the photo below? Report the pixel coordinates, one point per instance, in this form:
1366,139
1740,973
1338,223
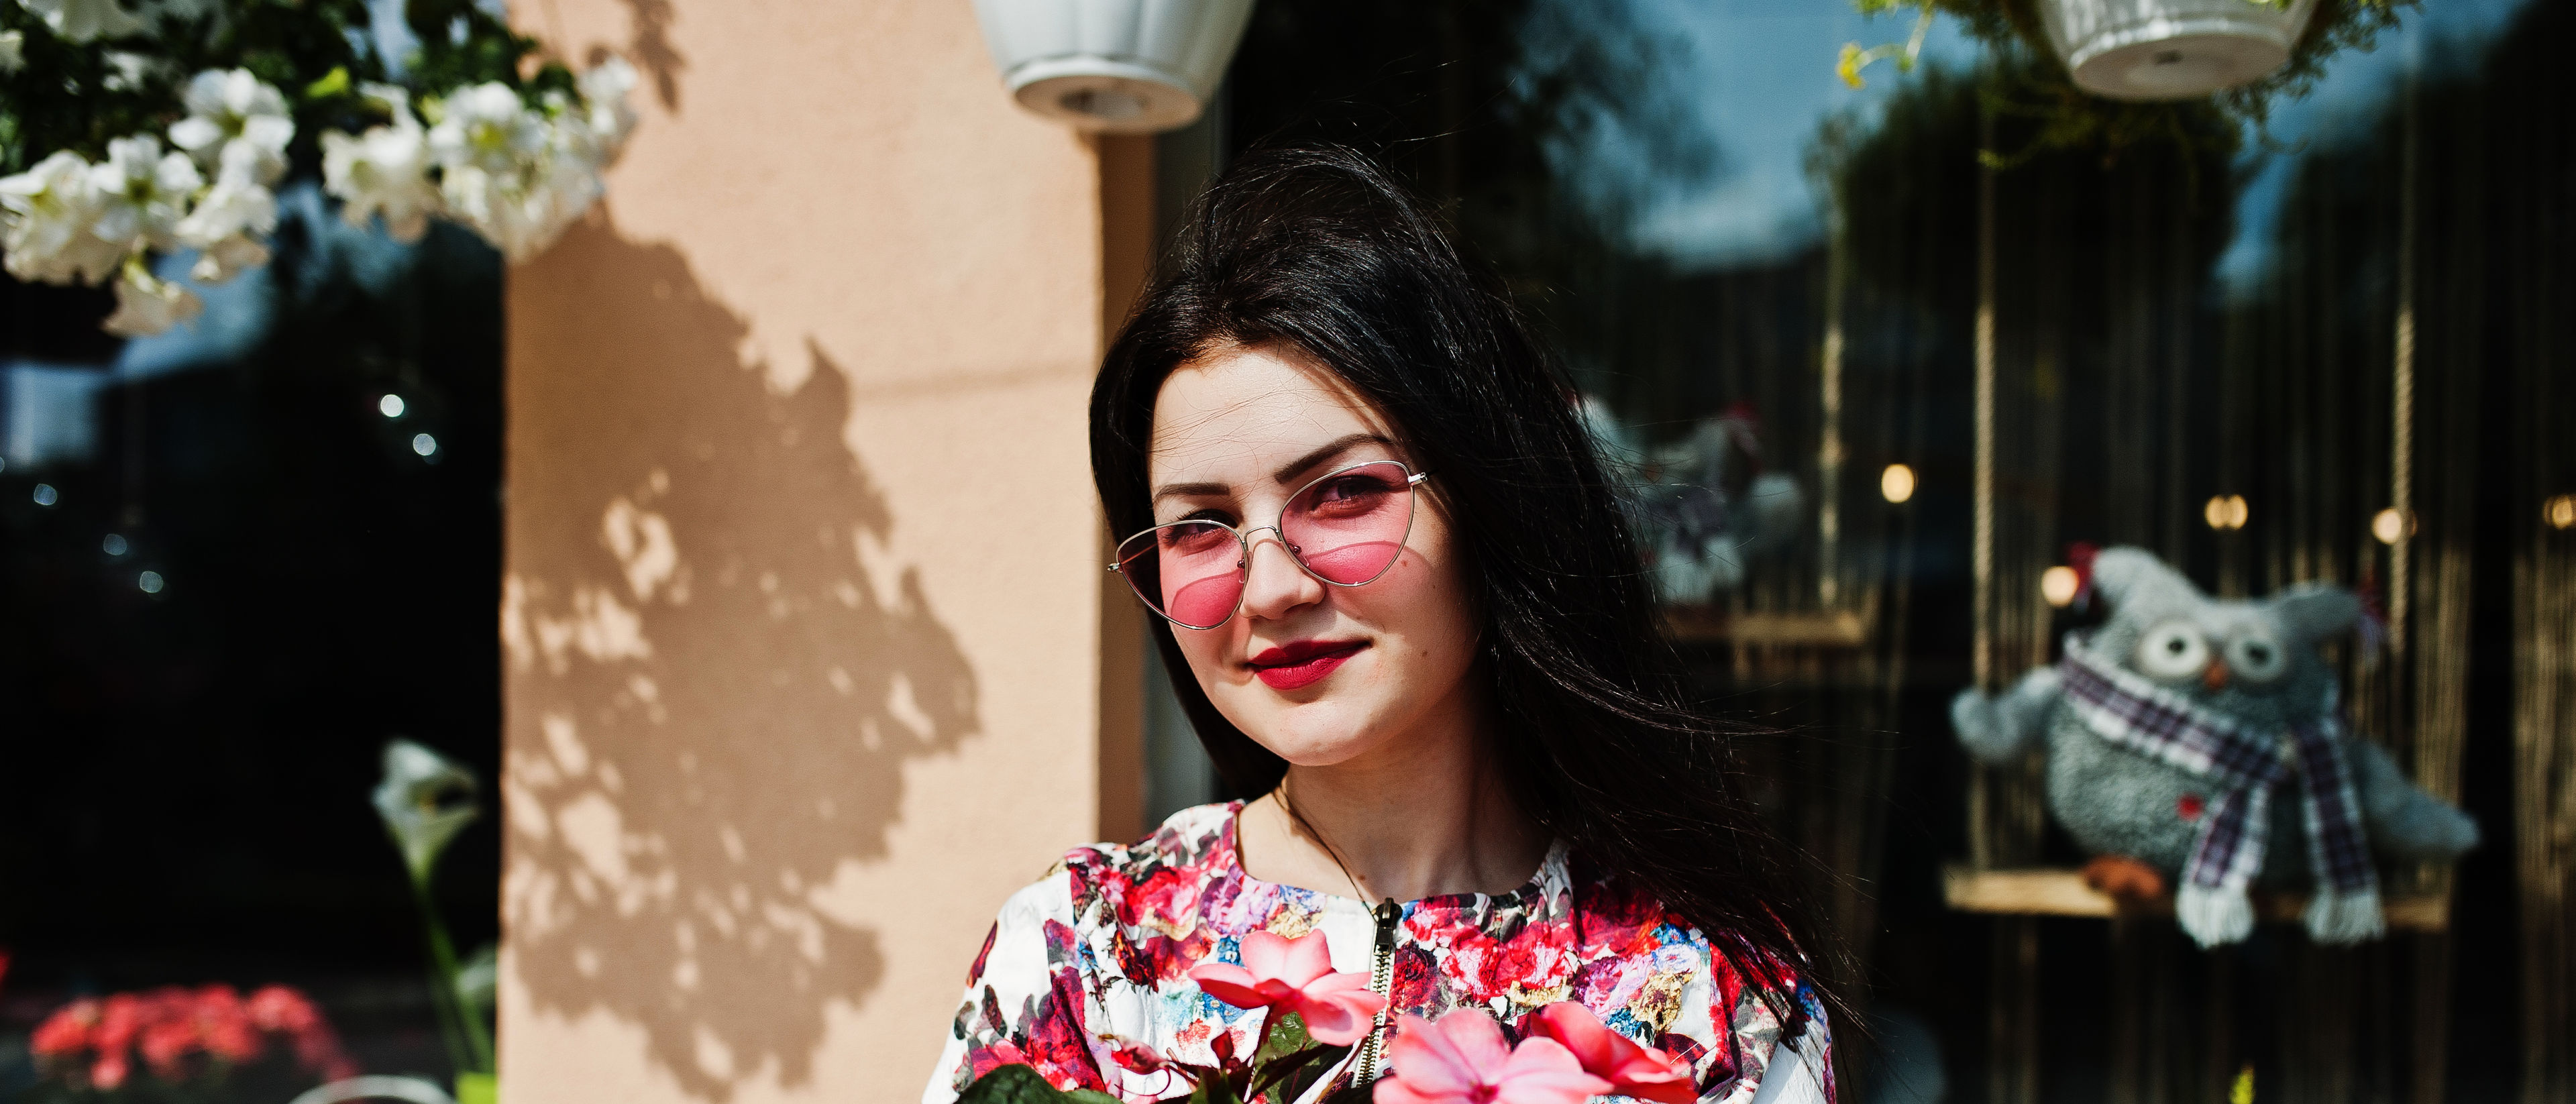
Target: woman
1382,547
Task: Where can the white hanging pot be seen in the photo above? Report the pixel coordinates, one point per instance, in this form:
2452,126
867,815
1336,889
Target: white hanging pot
2171,49
1119,66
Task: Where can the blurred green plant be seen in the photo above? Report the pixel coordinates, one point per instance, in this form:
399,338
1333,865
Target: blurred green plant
2069,118
425,800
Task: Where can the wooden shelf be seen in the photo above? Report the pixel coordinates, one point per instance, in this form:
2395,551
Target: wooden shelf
2052,891
1714,625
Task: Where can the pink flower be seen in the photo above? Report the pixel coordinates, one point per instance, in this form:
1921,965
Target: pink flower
278,1008
67,1031
224,1026
110,1071
1632,1070
166,1044
1462,1059
1295,975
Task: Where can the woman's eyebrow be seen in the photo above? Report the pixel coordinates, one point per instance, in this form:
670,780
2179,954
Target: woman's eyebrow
1190,490
1287,473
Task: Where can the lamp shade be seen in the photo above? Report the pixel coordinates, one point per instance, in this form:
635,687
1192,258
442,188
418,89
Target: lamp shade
1119,66
2171,49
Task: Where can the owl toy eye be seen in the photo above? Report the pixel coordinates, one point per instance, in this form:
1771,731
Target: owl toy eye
2257,657
2173,651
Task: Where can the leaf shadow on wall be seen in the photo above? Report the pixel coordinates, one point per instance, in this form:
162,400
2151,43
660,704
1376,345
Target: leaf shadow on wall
649,46
717,673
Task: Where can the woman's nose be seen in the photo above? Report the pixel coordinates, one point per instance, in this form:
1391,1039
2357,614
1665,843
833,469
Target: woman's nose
1273,584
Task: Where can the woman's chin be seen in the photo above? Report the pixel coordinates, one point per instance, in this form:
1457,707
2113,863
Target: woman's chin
1312,734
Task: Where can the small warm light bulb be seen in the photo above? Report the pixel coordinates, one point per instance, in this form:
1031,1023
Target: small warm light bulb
2225,512
2058,585
2388,525
390,406
1896,484
2561,512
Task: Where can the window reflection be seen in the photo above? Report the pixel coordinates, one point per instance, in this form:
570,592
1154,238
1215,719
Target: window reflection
2317,352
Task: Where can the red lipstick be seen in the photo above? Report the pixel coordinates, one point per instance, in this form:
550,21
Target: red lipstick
1302,662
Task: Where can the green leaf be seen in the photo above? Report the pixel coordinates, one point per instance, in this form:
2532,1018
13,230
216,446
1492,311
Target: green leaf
1289,1079
1291,1060
1285,1035
333,83
1216,1089
1092,1096
1014,1084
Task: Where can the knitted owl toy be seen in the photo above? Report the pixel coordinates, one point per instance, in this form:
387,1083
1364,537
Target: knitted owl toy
2188,735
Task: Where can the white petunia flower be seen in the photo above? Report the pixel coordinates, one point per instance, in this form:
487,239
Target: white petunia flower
142,192
235,109
494,205
518,173
385,170
45,217
147,305
227,258
228,222
486,126
603,93
13,52
501,168
128,71
82,20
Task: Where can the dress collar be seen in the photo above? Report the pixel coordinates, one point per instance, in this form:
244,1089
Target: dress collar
1551,881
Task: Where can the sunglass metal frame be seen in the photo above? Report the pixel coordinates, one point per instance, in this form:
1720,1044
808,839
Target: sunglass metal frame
1243,542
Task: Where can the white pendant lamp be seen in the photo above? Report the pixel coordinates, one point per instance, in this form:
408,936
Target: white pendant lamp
2171,49
1116,66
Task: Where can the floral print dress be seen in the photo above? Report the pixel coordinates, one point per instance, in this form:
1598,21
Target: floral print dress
1084,975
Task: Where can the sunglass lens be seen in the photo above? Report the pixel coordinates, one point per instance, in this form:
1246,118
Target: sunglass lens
1349,528
1191,572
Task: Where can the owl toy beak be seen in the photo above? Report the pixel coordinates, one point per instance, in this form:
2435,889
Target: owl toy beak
2215,675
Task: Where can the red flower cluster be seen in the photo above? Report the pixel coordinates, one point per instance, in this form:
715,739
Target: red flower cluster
98,1039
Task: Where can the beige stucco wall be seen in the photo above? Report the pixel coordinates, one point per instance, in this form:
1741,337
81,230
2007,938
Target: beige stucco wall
803,612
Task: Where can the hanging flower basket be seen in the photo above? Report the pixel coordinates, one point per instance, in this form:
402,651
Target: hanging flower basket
1115,66
2127,72
2171,49
129,137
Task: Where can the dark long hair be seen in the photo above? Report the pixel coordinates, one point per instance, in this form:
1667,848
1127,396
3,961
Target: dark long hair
1596,738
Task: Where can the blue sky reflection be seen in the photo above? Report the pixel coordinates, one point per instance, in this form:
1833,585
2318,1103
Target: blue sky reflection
1755,78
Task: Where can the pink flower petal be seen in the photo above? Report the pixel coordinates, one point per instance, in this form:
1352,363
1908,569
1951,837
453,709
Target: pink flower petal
1229,983
1632,1070
1308,958
1263,953
1542,1071
1578,1030
1332,1022
1394,1090
1338,1008
1451,1057
1670,1086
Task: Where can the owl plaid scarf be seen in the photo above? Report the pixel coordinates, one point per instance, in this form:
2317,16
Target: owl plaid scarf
2245,766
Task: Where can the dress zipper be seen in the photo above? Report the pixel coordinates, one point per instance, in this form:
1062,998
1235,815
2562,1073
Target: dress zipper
1381,982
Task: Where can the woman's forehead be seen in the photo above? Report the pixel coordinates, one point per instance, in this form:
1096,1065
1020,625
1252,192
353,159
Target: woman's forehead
1236,415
